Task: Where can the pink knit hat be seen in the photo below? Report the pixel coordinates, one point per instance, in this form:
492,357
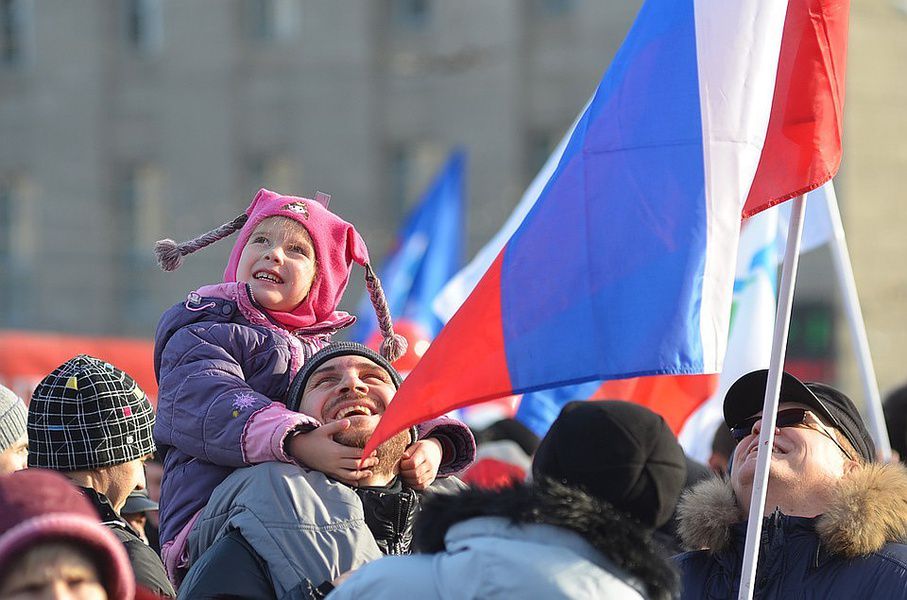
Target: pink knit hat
42,506
337,246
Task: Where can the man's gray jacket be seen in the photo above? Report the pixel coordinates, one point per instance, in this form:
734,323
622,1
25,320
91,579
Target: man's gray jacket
305,527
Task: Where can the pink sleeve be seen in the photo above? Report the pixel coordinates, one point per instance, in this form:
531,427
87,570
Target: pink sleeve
266,430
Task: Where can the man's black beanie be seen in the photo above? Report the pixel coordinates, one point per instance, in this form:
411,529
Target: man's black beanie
619,452
294,395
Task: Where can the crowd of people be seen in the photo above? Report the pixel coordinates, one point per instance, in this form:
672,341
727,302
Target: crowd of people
248,480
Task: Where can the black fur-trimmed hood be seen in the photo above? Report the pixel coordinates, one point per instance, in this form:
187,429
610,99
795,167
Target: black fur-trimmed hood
618,537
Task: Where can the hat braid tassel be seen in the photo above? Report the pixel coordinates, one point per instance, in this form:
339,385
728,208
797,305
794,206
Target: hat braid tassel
394,345
170,254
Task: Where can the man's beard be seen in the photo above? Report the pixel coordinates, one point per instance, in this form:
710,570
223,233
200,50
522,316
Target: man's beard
389,453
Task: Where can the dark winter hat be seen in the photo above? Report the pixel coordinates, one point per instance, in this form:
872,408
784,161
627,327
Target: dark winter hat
137,502
895,408
620,452
746,397
88,414
12,418
41,506
337,246
510,429
331,351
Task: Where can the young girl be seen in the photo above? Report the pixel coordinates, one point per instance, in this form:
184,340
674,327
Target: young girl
225,358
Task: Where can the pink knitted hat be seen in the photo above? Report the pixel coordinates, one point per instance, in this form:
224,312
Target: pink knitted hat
42,506
337,246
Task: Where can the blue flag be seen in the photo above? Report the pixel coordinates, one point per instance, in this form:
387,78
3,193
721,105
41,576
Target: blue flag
428,252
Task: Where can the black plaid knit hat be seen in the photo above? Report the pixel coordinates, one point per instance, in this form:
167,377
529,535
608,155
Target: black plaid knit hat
88,414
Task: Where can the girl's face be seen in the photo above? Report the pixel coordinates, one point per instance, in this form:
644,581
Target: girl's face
278,262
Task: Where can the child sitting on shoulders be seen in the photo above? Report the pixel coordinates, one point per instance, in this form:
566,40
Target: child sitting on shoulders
225,358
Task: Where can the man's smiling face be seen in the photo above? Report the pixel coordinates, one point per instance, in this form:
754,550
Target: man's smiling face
348,387
802,455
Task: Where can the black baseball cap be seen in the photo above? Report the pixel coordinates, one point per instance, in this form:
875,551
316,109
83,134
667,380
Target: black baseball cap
746,397
137,502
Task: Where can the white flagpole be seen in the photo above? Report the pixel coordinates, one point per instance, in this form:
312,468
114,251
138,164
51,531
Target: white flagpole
772,393
844,270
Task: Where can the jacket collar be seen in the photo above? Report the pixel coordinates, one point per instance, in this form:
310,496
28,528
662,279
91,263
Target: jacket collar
105,509
618,537
868,510
241,295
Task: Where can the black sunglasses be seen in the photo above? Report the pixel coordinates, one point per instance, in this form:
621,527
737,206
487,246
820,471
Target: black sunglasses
789,417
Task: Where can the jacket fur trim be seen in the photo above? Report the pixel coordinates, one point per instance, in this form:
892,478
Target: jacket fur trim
617,536
868,509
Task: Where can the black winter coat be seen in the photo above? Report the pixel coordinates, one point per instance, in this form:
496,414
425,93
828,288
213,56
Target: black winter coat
146,564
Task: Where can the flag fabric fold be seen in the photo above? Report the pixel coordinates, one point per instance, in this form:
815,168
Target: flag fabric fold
624,266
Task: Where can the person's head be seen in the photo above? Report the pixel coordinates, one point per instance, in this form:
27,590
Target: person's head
895,408
135,511
619,452
316,250
723,444
92,422
278,262
346,380
13,437
510,429
52,544
820,436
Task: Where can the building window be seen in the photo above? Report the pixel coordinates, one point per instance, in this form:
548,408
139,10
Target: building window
15,31
273,20
413,165
143,26
811,343
276,172
17,246
553,8
411,14
138,211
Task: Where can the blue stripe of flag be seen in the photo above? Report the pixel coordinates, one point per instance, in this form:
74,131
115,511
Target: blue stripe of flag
608,264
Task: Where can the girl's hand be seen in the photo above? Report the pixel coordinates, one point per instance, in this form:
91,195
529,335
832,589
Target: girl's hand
316,449
420,463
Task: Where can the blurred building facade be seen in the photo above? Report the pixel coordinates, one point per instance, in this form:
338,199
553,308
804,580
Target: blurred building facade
125,121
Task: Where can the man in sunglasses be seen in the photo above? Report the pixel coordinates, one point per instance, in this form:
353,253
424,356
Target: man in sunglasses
836,520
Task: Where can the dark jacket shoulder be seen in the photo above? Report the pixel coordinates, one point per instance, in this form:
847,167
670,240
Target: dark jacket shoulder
146,564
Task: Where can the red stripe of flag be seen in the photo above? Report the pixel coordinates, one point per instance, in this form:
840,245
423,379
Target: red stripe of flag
479,344
674,397
803,143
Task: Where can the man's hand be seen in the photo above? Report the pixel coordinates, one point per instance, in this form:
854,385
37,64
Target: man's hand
317,450
420,463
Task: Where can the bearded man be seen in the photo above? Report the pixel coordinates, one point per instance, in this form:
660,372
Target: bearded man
278,530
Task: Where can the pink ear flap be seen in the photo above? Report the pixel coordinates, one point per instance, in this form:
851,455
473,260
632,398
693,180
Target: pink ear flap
355,247
322,199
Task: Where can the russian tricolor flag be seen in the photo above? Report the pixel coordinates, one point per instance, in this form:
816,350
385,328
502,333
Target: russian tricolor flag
624,266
